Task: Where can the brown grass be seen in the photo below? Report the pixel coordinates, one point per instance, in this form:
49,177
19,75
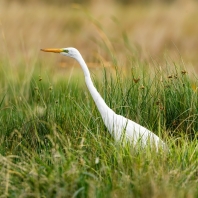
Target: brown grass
98,30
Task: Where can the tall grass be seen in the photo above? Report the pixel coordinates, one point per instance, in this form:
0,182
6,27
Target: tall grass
54,143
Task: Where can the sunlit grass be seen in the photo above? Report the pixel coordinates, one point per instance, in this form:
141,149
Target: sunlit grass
54,143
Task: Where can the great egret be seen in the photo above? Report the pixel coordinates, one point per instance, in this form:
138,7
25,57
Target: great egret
119,127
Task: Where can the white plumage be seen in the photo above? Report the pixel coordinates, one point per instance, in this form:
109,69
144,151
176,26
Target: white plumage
119,127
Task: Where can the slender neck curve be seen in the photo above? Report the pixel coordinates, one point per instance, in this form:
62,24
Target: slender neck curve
83,65
100,103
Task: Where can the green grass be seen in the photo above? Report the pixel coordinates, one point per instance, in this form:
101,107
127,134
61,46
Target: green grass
53,142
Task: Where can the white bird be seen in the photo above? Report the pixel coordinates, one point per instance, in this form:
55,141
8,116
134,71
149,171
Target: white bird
119,127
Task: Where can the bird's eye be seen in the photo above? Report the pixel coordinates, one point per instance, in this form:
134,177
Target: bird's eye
65,50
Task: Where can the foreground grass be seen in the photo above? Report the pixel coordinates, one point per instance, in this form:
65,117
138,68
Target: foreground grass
54,144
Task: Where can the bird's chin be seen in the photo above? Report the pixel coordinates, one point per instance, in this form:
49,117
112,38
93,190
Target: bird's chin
64,54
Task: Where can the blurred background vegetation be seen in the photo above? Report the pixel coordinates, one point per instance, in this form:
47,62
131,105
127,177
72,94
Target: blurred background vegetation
156,30
124,2
92,1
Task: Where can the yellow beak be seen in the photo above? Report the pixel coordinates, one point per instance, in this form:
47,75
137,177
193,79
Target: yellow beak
52,50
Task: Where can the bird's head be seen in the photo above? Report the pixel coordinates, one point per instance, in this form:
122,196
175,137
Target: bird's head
69,51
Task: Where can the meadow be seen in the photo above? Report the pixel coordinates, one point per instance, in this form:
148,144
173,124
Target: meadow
53,142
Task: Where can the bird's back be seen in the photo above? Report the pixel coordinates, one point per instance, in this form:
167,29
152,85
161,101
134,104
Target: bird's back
124,129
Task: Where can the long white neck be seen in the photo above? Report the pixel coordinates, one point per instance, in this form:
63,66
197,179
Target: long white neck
100,103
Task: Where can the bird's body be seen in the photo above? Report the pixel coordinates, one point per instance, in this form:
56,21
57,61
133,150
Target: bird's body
119,127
